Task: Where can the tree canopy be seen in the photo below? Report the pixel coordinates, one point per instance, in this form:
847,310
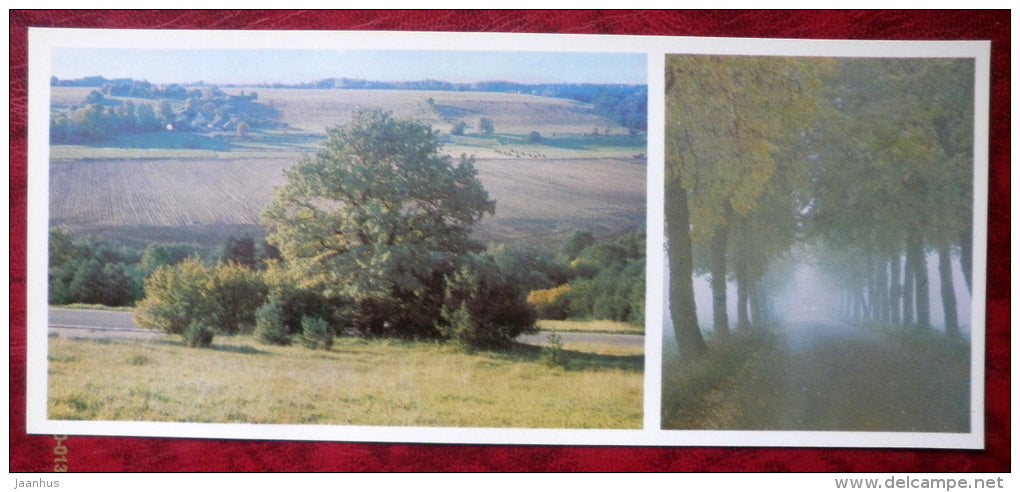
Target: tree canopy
378,216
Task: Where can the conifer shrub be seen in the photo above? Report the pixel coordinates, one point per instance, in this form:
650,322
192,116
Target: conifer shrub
315,333
483,308
553,354
269,324
198,335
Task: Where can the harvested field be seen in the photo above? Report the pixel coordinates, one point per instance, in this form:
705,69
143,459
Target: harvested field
204,200
160,193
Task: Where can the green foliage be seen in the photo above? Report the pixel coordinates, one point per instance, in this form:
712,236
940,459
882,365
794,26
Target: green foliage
269,324
529,267
610,280
534,137
315,333
240,250
553,354
237,292
297,302
486,126
375,220
106,115
224,296
459,128
482,308
576,242
90,271
198,335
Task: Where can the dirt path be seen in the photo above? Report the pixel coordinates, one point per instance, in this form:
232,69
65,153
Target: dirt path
826,375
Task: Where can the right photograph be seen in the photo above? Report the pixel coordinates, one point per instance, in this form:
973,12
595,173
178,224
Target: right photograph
819,229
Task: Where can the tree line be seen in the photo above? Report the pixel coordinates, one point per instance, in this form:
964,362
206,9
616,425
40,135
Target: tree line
624,104
112,110
94,270
863,164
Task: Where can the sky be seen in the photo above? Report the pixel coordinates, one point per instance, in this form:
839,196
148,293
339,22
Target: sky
247,66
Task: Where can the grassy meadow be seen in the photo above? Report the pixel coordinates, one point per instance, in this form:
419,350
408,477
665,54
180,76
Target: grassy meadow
357,382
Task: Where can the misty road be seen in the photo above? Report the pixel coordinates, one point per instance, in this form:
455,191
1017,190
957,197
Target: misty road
828,375
821,374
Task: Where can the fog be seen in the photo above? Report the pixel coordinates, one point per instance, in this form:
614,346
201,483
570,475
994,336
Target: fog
809,295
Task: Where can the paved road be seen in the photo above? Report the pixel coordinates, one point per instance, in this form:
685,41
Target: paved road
92,323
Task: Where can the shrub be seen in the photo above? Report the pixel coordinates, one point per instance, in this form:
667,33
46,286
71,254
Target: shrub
198,335
269,324
176,296
550,303
553,354
315,333
238,292
482,308
534,137
459,128
224,296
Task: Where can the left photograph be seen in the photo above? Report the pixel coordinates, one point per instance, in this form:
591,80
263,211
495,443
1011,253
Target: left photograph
347,237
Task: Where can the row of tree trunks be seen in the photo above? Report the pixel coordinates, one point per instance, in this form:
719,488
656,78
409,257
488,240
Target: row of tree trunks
897,292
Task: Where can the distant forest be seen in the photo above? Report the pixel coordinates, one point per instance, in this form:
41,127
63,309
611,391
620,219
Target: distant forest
624,104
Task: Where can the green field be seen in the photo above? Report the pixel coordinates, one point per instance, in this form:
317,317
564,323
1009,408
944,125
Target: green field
357,382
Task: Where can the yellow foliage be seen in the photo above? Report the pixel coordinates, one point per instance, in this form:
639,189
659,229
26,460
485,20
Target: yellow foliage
547,296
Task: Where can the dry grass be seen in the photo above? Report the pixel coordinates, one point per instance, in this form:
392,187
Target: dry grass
599,326
358,382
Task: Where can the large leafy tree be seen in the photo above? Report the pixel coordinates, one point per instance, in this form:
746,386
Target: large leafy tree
729,121
379,217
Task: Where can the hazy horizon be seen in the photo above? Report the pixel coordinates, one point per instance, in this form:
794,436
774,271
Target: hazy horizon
293,66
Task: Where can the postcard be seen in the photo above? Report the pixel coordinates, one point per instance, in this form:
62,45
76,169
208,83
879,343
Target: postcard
507,238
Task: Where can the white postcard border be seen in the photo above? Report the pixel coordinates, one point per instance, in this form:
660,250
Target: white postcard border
43,40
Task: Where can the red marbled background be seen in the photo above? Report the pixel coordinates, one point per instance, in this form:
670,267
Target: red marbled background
113,454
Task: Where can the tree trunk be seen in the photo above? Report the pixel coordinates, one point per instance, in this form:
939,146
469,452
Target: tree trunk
720,318
966,255
681,276
948,294
873,299
894,289
915,251
760,315
744,289
882,288
860,311
908,292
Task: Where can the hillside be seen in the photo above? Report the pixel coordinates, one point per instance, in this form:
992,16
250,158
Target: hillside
201,186
314,110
